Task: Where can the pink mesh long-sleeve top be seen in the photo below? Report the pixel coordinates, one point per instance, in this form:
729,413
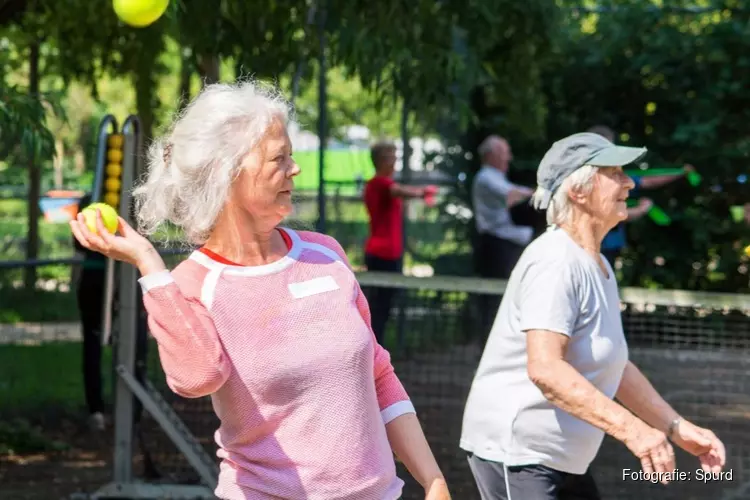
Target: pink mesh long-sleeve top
302,389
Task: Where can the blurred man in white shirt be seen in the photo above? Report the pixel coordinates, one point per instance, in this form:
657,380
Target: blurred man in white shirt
500,242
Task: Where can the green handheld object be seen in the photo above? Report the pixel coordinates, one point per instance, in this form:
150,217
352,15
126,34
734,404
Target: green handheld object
656,214
738,213
659,216
694,178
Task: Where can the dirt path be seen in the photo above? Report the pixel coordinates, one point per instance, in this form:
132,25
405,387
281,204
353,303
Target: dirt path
81,469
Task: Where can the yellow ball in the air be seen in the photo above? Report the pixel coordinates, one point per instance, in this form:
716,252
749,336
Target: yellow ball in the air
747,250
139,13
109,216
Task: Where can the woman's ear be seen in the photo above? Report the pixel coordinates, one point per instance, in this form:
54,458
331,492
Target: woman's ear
577,196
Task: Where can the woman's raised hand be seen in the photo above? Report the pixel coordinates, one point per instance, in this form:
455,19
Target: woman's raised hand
127,246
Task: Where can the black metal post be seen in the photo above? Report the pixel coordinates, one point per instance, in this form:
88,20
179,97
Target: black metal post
322,116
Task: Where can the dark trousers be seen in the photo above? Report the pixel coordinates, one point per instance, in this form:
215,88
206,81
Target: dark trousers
380,299
495,258
90,295
538,482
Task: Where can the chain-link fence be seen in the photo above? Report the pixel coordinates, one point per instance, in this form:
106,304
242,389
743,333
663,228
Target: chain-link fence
45,313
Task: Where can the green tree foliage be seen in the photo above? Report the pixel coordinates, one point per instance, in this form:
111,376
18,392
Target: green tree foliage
677,84
489,81
434,54
23,124
348,104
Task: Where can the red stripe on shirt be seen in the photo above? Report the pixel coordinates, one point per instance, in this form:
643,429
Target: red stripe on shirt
218,258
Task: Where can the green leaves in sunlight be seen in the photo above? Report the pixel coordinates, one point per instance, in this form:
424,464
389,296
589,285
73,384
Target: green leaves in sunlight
23,123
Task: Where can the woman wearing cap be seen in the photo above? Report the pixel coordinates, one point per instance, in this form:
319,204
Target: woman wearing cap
268,321
543,395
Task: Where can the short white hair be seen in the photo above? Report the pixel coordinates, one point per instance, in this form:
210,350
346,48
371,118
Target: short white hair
485,147
190,169
560,206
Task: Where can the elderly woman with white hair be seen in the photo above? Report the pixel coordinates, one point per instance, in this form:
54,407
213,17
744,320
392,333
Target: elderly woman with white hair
268,321
556,359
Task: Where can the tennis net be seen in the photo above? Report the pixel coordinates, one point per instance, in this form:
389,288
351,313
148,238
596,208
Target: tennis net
693,347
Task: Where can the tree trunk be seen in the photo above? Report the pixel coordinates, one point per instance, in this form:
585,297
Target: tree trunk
186,72
145,95
35,179
208,67
476,133
79,162
57,163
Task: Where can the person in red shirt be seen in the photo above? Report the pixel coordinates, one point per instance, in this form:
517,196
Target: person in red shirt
384,247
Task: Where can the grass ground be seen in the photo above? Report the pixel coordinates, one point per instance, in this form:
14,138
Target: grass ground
21,306
45,379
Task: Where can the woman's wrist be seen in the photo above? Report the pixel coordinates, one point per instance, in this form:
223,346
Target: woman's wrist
674,424
436,481
149,261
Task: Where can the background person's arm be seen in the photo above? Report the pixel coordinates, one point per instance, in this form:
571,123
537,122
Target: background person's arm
404,191
657,181
519,194
502,188
644,205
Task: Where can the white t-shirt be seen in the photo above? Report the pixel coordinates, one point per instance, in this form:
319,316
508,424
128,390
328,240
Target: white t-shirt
556,286
489,198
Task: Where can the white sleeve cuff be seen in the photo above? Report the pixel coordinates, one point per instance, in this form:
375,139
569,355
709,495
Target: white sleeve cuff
396,410
151,281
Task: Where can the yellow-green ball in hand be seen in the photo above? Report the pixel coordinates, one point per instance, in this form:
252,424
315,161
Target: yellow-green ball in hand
109,216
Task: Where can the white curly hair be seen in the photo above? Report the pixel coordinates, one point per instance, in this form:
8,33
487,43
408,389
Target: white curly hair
190,169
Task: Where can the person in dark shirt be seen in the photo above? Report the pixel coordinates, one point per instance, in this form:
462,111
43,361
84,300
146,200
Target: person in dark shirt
90,296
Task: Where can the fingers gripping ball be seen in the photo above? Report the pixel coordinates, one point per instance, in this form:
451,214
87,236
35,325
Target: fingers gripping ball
109,216
139,13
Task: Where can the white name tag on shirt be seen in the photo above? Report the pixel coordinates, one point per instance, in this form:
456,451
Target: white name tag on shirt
313,287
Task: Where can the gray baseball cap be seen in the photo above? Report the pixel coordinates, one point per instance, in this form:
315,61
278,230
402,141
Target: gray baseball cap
573,152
